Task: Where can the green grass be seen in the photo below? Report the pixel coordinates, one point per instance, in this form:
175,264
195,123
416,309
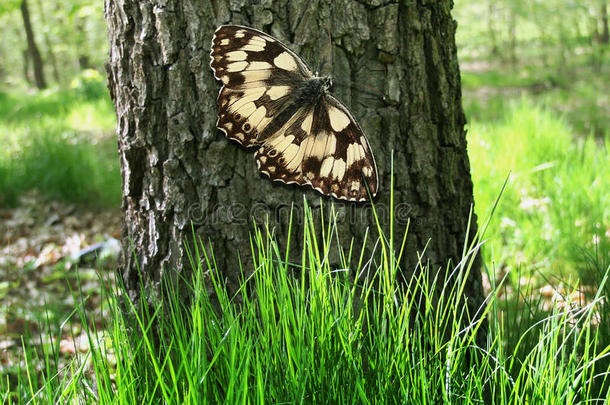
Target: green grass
555,207
305,332
498,78
61,143
578,96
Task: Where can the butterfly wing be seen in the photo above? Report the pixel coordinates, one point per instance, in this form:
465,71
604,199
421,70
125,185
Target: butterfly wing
325,148
258,74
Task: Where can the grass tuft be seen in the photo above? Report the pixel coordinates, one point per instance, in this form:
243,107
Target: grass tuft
301,331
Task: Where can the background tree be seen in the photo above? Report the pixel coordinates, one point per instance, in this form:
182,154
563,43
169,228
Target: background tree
70,36
32,47
604,35
47,41
177,167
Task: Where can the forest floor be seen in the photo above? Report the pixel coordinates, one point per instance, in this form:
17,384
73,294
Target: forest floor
47,268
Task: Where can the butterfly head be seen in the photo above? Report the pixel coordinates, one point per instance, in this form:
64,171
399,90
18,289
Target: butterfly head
317,86
327,83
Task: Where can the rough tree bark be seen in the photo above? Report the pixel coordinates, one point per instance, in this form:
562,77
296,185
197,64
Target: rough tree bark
32,47
178,168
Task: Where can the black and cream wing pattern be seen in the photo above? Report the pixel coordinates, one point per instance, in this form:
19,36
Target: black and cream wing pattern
271,100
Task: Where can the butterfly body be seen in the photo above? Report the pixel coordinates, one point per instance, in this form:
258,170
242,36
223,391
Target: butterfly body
310,91
271,100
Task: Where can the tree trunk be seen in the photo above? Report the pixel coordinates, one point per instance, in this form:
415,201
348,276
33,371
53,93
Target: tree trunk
81,45
32,48
491,17
47,42
26,66
512,37
605,35
599,39
178,169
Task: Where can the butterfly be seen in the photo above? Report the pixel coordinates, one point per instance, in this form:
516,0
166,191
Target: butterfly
271,100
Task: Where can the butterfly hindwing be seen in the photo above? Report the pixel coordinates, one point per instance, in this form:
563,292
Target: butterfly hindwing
352,156
270,99
324,148
281,154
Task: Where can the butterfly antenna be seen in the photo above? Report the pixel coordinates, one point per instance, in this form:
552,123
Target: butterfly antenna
330,44
375,91
371,91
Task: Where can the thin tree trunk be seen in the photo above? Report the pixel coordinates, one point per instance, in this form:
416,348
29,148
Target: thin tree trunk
47,42
599,40
26,66
605,35
32,48
81,46
490,28
178,169
512,35
561,54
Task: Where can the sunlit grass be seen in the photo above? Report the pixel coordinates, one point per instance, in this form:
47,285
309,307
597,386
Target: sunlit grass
579,96
555,207
94,117
60,142
499,78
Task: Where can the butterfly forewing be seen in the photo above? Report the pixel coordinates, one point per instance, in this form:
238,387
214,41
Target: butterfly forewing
250,64
305,137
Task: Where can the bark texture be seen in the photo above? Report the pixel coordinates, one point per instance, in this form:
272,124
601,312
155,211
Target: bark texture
178,169
32,47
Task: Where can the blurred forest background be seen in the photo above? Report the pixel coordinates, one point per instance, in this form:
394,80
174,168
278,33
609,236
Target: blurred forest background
536,86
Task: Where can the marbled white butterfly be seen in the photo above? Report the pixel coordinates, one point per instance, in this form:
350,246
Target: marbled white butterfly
271,100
